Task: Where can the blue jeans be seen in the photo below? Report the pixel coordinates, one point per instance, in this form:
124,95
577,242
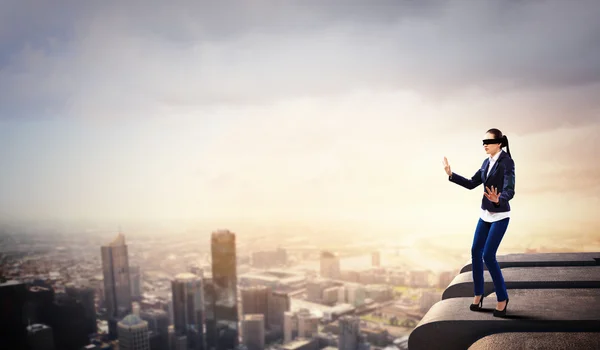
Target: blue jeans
488,236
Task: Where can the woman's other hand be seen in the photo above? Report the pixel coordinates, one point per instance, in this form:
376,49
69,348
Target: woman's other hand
492,194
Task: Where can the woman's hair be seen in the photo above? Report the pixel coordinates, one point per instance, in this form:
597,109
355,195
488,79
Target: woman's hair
498,135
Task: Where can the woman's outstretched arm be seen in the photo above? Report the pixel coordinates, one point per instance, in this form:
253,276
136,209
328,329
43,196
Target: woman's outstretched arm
466,183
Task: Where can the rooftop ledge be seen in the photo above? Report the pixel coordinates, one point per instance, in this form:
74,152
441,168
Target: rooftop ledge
528,278
554,301
543,260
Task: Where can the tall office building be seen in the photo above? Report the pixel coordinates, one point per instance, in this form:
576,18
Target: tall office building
158,323
68,323
133,333
188,309
349,337
255,300
13,331
330,265
117,285
209,312
224,275
38,308
253,329
86,296
136,282
279,303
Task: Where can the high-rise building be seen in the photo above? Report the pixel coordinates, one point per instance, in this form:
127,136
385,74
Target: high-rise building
133,333
39,337
158,323
330,265
279,303
68,322
86,296
188,309
117,284
13,295
253,329
136,282
224,275
255,300
349,337
209,307
38,307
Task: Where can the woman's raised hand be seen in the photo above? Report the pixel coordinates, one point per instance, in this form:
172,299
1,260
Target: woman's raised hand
447,167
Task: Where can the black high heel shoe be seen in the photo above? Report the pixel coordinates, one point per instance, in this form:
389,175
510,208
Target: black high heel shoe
501,313
478,306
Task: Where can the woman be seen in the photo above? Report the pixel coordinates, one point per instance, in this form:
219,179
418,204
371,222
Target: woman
497,173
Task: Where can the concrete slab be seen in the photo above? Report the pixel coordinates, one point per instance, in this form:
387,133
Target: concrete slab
450,324
546,340
528,278
543,259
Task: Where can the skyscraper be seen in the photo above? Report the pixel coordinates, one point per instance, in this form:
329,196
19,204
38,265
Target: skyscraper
209,312
253,329
255,300
68,322
224,275
279,303
86,296
158,324
13,332
117,287
188,309
136,282
133,333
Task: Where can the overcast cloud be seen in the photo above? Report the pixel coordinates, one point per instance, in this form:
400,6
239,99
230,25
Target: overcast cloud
145,108
108,59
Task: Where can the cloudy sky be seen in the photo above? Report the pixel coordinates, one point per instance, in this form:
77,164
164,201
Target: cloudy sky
297,110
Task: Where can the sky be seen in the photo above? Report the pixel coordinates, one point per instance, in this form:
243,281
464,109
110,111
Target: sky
298,111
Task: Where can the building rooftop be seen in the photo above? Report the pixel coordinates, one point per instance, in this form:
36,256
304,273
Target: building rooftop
327,254
551,294
132,320
118,241
254,317
223,235
295,344
36,327
187,276
10,283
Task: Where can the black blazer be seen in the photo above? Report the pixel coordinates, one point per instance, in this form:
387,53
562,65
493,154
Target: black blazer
502,177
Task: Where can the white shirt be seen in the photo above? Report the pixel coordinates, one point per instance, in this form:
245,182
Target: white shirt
485,214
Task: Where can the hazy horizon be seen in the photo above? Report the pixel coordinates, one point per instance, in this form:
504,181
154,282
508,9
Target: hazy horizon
274,113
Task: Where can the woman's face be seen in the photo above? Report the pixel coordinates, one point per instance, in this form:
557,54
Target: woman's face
491,148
